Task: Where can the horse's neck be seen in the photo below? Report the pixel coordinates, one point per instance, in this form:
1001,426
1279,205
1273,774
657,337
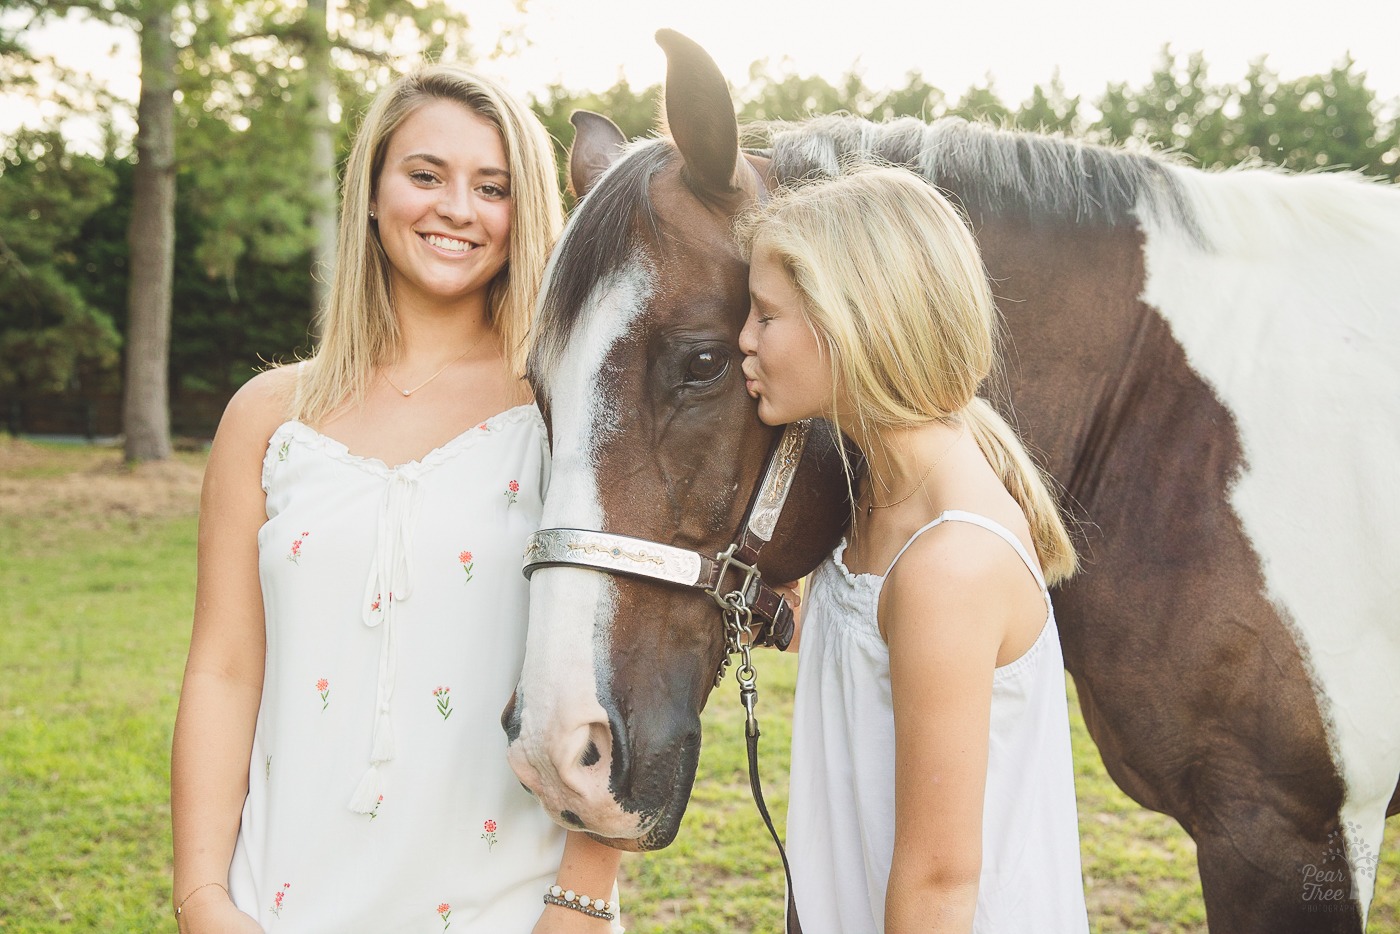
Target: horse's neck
1068,299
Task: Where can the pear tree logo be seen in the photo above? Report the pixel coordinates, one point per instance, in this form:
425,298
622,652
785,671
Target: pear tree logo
1327,883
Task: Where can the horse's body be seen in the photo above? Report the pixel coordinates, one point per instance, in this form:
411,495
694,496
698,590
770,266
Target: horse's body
1209,365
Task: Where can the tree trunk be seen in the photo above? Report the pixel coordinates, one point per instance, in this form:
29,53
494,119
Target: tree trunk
151,240
323,209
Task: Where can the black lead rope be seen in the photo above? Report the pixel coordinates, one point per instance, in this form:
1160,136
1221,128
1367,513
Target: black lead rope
794,926
748,695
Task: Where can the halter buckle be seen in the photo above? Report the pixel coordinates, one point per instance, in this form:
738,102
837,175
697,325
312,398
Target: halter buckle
745,591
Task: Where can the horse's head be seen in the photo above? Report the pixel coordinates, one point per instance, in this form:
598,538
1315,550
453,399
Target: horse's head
636,367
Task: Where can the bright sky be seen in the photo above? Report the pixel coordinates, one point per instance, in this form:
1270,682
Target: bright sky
588,44
1018,42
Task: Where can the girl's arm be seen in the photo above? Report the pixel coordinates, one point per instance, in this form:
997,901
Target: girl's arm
224,673
588,868
942,613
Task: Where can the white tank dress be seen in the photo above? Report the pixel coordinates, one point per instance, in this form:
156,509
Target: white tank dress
840,824
379,798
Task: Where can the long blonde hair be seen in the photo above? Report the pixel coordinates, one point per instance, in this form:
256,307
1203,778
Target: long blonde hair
358,329
894,287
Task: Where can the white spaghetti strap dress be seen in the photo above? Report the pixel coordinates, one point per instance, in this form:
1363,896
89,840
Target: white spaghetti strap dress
840,823
379,796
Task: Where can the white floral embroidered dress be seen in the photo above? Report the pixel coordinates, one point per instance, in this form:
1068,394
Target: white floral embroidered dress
379,798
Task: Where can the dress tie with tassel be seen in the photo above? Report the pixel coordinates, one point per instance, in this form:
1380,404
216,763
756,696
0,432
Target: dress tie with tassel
388,586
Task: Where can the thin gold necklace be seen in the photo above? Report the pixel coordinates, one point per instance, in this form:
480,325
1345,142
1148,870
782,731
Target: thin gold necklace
408,392
872,505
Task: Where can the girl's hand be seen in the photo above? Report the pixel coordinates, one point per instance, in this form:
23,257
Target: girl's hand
211,911
792,593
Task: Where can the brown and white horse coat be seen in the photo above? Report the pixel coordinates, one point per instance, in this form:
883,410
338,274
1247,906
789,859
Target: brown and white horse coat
1208,363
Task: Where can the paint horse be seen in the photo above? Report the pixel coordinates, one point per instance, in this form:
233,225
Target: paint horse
1209,364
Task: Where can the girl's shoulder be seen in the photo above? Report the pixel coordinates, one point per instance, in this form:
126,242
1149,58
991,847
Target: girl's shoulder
954,571
261,406
954,555
233,493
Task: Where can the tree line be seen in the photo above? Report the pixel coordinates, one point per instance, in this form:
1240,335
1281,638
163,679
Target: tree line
263,96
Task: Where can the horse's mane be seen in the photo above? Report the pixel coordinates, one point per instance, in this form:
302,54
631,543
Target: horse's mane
595,244
991,170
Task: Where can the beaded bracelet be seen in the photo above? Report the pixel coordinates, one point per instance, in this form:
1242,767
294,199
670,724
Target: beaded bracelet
593,907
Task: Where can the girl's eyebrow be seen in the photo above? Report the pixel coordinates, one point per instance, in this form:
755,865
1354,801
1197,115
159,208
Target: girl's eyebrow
425,157
442,163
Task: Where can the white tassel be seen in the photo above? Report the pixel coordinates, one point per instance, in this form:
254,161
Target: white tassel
383,739
366,794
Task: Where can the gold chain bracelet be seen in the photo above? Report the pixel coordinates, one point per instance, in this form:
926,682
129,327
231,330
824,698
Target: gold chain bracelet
179,909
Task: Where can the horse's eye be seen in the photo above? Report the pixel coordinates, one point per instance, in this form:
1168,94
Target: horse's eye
706,366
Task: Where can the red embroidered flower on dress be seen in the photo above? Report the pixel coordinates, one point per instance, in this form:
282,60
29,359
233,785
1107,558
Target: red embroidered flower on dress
512,488
465,558
324,688
489,826
444,911
277,899
374,812
294,555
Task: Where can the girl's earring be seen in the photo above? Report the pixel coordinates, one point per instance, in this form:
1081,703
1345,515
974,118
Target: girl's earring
371,215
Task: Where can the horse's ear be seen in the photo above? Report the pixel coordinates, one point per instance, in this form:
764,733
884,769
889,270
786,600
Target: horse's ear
700,114
597,144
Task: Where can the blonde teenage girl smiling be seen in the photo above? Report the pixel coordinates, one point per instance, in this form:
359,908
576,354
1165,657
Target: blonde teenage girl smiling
932,785
360,617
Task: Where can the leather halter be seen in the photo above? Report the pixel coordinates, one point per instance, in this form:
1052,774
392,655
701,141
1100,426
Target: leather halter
638,557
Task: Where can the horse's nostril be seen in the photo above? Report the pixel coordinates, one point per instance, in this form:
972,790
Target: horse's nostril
572,819
590,755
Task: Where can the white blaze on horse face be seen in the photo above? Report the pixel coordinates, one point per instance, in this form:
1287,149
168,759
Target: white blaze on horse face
571,609
1302,350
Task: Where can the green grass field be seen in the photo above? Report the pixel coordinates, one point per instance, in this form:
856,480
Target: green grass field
96,589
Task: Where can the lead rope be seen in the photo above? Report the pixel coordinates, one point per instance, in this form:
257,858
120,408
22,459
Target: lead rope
738,622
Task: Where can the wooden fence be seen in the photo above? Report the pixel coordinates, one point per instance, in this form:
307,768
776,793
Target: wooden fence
193,416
